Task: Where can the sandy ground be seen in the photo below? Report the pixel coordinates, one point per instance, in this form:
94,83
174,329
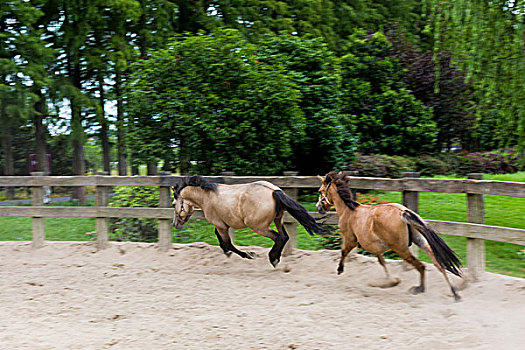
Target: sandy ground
130,296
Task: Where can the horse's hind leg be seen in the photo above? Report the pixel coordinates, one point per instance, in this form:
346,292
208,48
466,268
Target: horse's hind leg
227,246
349,243
409,258
391,282
280,240
281,237
426,248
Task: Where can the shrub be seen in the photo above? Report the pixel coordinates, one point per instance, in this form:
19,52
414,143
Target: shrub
378,165
459,164
130,229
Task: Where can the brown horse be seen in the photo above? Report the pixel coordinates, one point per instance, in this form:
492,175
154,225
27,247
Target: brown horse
254,205
384,227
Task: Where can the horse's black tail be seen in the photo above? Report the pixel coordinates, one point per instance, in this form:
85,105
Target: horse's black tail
445,256
285,202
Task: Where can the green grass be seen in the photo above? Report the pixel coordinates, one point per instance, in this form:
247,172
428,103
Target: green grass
57,229
500,211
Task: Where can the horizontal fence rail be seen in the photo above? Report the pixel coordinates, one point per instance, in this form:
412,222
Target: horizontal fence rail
475,188
484,187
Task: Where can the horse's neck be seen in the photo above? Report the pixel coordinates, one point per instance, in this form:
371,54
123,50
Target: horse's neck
195,195
341,207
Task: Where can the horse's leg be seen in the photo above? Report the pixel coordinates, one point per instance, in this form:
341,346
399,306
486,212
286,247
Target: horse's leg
349,243
279,239
224,246
391,282
409,258
426,248
228,246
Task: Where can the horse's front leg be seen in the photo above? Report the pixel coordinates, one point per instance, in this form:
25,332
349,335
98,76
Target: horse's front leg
226,244
349,243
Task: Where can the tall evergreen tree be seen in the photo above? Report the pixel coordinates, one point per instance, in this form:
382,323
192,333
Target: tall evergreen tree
22,53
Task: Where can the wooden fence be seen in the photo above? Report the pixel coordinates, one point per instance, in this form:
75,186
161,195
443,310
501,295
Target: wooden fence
475,188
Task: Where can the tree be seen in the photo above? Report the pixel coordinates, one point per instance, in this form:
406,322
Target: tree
327,143
22,52
209,93
452,102
486,40
387,116
108,57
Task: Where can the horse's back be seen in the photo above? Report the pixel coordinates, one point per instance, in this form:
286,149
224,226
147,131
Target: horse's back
251,203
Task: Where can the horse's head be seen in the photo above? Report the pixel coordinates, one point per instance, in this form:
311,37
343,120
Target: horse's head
183,209
325,202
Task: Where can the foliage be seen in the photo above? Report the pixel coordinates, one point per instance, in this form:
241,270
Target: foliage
232,111
130,229
460,164
487,42
388,118
452,102
327,144
376,165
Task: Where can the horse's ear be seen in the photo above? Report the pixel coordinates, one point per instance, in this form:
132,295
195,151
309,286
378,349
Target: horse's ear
174,189
320,178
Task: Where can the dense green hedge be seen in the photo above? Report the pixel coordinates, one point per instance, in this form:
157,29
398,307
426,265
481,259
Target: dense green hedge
459,164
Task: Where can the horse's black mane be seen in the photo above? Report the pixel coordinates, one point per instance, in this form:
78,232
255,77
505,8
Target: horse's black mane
195,180
341,183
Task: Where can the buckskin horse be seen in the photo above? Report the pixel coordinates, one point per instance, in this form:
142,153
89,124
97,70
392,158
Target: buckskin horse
384,227
255,205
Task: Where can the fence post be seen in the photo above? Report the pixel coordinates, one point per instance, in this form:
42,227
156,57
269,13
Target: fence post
291,227
102,223
38,222
411,201
165,230
475,246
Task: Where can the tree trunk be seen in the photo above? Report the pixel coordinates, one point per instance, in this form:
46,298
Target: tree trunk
133,165
121,147
7,148
104,138
77,134
9,169
184,159
152,167
40,134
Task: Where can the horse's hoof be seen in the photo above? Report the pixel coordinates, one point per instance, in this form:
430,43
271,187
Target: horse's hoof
340,270
457,297
386,283
228,254
417,290
275,262
250,255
